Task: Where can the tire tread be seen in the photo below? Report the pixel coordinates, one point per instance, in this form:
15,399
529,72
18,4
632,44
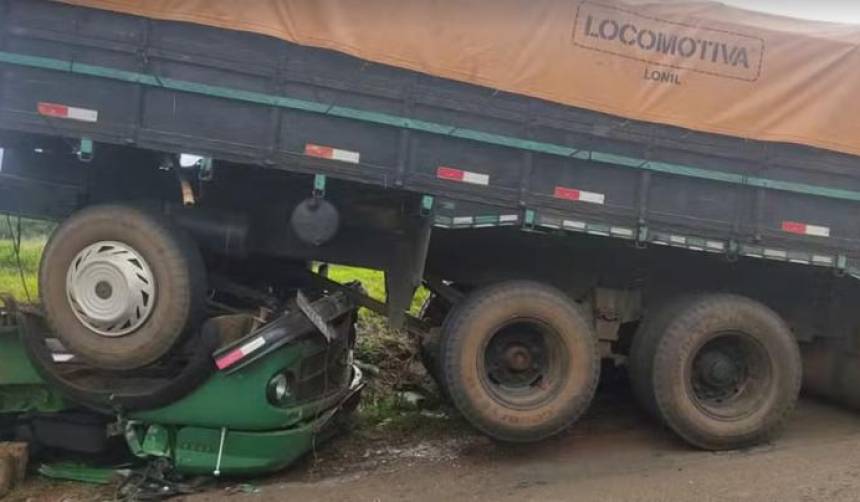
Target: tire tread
454,329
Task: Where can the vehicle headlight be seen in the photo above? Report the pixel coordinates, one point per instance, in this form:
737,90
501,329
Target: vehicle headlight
279,389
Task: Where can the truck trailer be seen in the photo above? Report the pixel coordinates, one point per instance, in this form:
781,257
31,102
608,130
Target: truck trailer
667,186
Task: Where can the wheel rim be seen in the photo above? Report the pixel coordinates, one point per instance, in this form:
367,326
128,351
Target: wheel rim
523,364
111,288
730,376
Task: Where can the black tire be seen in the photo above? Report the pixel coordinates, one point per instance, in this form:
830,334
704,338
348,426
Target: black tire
431,354
727,372
105,391
504,400
175,264
428,350
640,363
436,311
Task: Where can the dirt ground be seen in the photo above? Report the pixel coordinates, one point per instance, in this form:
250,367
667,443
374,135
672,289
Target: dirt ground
614,454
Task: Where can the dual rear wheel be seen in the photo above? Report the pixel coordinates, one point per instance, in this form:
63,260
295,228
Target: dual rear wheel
722,371
520,362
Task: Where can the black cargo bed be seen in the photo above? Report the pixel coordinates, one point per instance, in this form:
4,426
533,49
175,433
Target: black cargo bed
489,158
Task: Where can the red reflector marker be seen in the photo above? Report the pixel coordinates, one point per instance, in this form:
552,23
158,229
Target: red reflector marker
229,360
577,195
234,356
794,227
331,153
461,176
67,112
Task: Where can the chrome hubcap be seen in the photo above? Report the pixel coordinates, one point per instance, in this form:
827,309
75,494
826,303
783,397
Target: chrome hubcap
111,288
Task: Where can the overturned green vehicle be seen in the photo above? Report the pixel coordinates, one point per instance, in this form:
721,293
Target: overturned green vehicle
248,396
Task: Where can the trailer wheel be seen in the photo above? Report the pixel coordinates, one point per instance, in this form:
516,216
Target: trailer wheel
436,311
121,285
727,372
428,350
640,365
520,361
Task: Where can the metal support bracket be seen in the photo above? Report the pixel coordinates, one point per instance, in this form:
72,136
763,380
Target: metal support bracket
841,265
315,317
529,220
319,186
733,251
85,150
427,203
450,294
205,169
642,237
406,270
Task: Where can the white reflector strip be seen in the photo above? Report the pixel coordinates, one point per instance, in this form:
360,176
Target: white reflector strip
775,253
794,227
624,232
67,112
817,231
237,355
253,345
577,195
825,260
452,174
576,225
327,152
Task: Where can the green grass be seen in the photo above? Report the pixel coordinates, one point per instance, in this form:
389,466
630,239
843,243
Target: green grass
377,344
373,281
10,279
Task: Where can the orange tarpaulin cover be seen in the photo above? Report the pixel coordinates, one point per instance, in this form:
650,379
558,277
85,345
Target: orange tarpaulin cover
694,64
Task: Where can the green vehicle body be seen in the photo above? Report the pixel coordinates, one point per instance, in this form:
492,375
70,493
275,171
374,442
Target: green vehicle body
229,426
22,390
